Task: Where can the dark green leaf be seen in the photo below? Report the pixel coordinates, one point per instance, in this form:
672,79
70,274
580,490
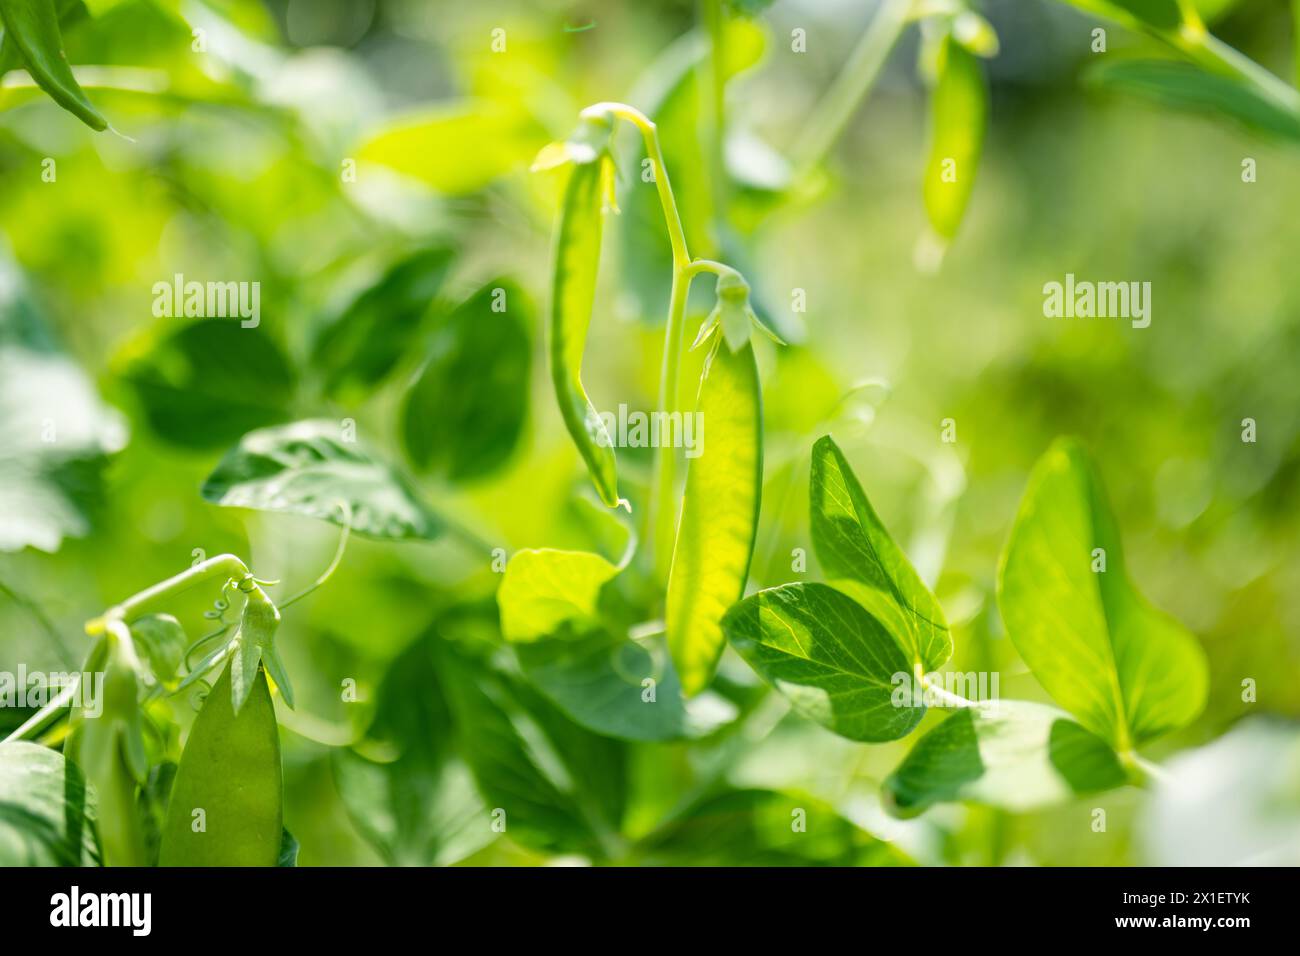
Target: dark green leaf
306,468
204,384
356,349
465,410
833,660
1010,754
288,849
47,816
33,27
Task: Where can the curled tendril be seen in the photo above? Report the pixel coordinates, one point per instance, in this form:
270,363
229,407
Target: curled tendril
199,694
221,604
334,563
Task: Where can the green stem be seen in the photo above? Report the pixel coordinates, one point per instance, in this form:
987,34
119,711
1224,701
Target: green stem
224,566
1215,55
943,697
833,112
662,515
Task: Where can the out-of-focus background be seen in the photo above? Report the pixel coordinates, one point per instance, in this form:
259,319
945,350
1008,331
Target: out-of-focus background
310,145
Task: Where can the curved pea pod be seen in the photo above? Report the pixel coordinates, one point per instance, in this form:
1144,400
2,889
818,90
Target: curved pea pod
719,517
958,116
226,806
573,293
32,26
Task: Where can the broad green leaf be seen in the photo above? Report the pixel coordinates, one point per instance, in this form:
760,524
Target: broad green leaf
852,544
600,681
464,412
307,468
520,767
229,769
161,640
958,116
545,588
47,815
719,515
1128,672
1010,754
1186,86
419,806
833,660
1160,15
456,148
573,293
764,828
33,28
204,384
356,349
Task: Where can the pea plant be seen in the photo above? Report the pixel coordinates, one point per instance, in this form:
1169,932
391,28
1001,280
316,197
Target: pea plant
594,699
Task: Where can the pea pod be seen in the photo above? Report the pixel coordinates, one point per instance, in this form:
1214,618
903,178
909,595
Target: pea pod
958,115
108,746
573,293
230,769
32,26
719,516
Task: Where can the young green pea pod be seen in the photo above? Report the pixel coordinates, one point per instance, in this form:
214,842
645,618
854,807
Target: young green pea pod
227,803
958,116
719,516
108,745
573,293
32,29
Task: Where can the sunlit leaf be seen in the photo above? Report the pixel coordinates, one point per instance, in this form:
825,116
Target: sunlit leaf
545,588
1127,671
1010,754
308,468
852,543
958,115
833,660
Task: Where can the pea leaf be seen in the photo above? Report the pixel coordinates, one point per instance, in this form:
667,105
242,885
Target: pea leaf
524,766
852,544
306,468
357,348
288,849
47,815
1186,86
834,661
203,385
1128,672
958,115
764,828
55,432
418,807
1012,754
545,588
463,414
599,681
456,148
33,28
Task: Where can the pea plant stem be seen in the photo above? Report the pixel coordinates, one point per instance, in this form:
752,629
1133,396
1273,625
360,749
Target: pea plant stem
1213,54
223,566
833,112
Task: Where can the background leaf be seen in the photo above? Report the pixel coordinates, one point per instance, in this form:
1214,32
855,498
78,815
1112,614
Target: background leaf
958,116
463,414
306,468
545,588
